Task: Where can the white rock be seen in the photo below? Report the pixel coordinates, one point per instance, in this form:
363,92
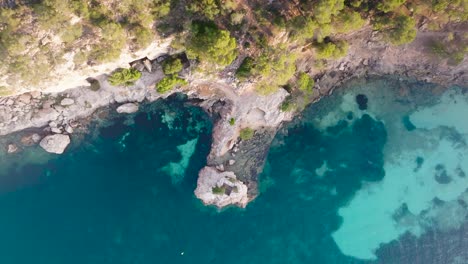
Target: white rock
12,148
56,130
53,124
67,102
220,167
35,94
55,143
210,178
127,108
36,138
69,129
25,98
231,162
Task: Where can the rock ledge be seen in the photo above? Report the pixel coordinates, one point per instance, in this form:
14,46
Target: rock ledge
55,143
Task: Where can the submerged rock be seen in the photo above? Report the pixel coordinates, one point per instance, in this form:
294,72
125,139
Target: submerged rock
12,148
220,188
31,139
55,143
128,108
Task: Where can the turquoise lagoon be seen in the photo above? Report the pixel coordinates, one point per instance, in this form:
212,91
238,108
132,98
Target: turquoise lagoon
381,179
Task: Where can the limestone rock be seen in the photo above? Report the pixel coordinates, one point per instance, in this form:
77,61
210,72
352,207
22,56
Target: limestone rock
56,130
30,139
67,102
25,98
69,129
55,143
220,188
35,94
12,148
231,162
127,108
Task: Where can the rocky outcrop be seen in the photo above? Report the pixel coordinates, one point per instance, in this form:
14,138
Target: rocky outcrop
127,108
55,143
62,109
220,188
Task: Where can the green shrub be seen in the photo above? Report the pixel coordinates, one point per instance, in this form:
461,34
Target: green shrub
208,43
303,28
333,50
237,18
324,10
232,121
172,66
245,69
402,30
398,29
72,33
246,133
143,37
389,5
305,83
275,67
125,77
168,83
288,105
348,21
208,8
218,190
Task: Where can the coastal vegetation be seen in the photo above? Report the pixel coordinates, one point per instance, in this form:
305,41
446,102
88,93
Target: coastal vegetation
168,83
124,77
172,66
37,37
246,133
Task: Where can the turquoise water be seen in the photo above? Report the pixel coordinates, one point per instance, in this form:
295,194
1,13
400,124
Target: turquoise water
342,184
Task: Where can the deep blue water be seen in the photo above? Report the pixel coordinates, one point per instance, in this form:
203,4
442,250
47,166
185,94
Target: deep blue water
108,199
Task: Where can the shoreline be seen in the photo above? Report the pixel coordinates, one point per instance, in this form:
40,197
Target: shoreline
61,113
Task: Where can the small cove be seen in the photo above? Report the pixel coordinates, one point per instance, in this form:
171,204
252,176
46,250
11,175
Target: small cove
333,177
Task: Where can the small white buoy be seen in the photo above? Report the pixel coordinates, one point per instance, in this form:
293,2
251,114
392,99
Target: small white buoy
182,253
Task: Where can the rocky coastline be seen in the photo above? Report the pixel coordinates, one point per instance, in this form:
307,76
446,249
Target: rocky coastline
233,164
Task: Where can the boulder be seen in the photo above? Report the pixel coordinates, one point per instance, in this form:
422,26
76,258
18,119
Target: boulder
67,102
55,143
127,108
69,129
35,94
12,148
25,98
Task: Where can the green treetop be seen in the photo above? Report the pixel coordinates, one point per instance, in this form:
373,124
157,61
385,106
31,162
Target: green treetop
210,44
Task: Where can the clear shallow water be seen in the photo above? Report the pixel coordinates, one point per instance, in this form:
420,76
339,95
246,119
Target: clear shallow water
338,183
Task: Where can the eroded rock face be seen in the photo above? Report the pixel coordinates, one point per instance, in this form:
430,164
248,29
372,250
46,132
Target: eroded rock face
55,143
220,188
128,108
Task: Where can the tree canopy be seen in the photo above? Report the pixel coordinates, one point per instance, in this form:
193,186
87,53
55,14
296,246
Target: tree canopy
210,44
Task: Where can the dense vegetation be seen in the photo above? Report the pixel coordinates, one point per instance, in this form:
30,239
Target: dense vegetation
168,83
38,36
124,77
